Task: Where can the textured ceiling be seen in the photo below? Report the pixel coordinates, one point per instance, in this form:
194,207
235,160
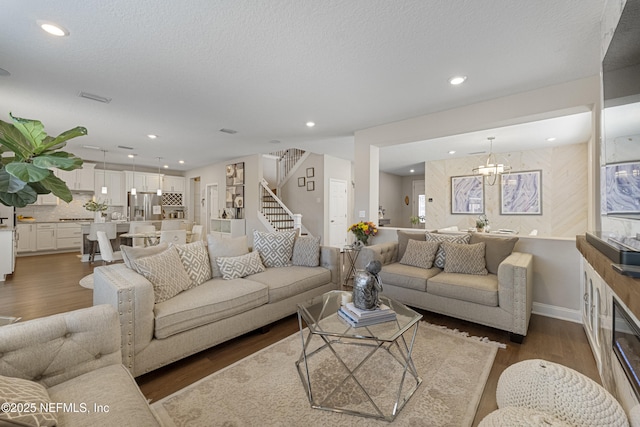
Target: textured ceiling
185,69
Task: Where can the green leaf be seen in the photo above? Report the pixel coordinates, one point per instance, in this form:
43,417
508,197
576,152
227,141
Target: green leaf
27,172
9,183
61,160
33,130
39,188
14,141
22,198
57,187
61,140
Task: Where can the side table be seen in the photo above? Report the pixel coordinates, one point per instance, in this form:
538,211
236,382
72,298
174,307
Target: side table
350,257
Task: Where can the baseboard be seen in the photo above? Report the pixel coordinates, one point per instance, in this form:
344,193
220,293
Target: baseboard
556,312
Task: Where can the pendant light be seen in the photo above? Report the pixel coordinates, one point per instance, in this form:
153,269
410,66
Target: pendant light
491,169
105,190
133,175
159,192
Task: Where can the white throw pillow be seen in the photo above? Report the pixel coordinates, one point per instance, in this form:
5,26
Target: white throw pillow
23,399
195,260
240,266
453,238
165,272
275,249
306,251
226,247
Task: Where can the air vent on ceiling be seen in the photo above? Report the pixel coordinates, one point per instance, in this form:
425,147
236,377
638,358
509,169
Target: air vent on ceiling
91,147
124,147
477,152
229,131
93,97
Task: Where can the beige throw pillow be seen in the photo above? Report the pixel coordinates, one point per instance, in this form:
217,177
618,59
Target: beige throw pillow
497,249
165,272
240,266
130,254
20,402
226,247
420,254
453,238
195,260
464,258
404,237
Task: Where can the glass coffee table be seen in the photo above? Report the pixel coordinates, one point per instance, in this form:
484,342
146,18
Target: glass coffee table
366,371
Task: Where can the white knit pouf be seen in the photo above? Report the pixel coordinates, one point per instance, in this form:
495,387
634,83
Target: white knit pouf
560,392
512,416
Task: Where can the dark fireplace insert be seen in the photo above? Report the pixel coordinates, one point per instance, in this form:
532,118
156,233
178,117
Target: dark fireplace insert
626,345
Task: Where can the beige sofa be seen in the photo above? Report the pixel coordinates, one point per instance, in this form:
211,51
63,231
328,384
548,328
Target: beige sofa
156,334
501,300
69,366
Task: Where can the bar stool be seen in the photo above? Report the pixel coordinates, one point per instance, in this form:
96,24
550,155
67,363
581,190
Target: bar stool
110,230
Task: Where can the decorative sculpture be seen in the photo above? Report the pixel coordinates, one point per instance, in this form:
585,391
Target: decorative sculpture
366,286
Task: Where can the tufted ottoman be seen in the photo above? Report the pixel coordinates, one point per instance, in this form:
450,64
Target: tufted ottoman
538,392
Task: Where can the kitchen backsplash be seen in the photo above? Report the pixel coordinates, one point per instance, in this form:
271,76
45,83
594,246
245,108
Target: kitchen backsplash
74,209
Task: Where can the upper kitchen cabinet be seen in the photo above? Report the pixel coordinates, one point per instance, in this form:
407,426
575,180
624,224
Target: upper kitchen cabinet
173,184
116,193
79,179
143,181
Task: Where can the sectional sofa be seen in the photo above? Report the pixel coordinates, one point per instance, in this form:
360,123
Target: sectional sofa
237,291
495,292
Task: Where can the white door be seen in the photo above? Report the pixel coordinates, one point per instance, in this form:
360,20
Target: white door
337,213
419,206
212,204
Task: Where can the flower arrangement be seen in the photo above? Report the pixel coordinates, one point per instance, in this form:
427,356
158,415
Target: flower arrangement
482,222
95,206
363,230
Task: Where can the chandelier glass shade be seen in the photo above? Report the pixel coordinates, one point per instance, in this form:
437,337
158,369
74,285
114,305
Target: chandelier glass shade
491,169
104,189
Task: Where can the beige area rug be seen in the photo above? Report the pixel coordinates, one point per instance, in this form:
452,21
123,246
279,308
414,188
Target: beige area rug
87,281
265,389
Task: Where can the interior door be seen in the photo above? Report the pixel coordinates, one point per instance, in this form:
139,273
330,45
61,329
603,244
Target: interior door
419,207
213,206
337,213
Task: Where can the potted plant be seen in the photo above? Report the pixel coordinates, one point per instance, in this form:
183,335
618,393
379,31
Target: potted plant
97,208
481,223
27,155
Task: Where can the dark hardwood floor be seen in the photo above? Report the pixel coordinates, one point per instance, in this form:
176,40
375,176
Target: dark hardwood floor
48,284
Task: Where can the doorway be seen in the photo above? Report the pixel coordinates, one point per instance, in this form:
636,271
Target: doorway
419,204
212,203
337,213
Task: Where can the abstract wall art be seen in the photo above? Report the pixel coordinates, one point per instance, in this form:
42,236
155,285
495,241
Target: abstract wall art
622,188
521,193
467,195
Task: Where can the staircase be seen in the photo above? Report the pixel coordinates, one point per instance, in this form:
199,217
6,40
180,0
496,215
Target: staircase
274,212
287,160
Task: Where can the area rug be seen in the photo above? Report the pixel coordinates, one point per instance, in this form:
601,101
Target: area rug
87,281
265,389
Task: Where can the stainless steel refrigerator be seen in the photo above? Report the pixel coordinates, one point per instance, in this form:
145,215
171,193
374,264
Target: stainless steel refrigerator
145,207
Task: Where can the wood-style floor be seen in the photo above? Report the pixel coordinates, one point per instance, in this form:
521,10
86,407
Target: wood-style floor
48,284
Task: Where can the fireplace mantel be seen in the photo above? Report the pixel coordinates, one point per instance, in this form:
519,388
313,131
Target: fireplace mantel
626,288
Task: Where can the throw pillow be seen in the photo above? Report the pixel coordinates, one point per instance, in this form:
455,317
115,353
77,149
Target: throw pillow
464,258
404,237
452,238
24,399
306,251
224,246
195,260
420,254
240,266
165,272
275,249
497,249
130,254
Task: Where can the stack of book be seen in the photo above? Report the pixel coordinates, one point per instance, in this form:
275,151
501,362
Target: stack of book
357,317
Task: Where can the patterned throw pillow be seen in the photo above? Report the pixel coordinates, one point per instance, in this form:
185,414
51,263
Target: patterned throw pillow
240,266
463,258
420,254
131,254
275,249
306,251
195,259
435,237
26,397
165,272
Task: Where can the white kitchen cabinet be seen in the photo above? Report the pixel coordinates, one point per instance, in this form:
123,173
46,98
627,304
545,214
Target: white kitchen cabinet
46,237
79,179
68,236
7,260
173,184
142,181
116,192
26,237
47,200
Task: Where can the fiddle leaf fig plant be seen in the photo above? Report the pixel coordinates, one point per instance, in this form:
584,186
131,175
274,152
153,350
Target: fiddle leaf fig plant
27,156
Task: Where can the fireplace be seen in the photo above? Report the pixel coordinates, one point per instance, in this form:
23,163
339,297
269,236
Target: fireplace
626,345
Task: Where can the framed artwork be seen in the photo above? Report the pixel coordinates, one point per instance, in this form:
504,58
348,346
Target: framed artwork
301,182
310,173
621,188
311,185
235,174
235,197
521,193
467,195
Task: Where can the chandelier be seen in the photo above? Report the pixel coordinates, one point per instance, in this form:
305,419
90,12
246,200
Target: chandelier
491,169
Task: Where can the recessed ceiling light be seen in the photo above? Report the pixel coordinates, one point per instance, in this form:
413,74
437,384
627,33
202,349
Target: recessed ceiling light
152,136
181,162
166,166
310,124
551,139
131,156
4,72
452,152
53,29
456,80
412,170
